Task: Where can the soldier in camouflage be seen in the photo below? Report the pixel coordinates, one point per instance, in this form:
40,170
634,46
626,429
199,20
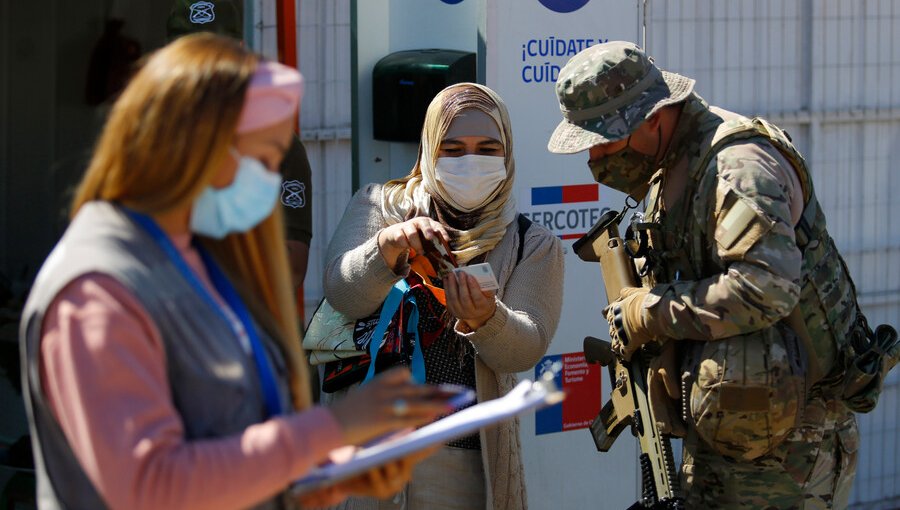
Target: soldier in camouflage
744,291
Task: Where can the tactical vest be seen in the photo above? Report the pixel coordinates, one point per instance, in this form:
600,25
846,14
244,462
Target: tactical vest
747,392
827,304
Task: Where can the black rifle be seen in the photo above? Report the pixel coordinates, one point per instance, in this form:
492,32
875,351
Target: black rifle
629,402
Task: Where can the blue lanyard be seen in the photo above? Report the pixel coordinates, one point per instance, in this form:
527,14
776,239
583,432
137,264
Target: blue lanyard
398,294
226,290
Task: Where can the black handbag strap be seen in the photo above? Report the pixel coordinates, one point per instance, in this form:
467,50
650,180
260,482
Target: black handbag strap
524,225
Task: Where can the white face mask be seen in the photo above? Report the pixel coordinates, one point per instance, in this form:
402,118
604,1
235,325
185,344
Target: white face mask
470,181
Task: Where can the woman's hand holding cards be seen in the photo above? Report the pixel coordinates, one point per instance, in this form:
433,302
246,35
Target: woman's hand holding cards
467,301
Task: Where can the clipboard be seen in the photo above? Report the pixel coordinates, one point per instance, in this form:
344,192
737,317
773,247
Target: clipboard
526,397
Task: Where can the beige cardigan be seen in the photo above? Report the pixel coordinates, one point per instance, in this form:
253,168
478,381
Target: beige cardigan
529,302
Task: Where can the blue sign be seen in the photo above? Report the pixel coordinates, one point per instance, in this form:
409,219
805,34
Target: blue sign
563,5
452,2
581,383
549,419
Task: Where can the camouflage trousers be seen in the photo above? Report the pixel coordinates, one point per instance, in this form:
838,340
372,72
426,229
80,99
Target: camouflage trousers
812,469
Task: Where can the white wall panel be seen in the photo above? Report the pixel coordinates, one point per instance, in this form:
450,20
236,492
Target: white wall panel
323,56
264,37
388,26
323,37
726,46
878,473
827,71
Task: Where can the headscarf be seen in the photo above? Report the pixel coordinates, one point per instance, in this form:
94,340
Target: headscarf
477,232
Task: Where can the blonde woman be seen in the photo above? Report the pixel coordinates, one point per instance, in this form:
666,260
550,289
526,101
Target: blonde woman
459,189
164,364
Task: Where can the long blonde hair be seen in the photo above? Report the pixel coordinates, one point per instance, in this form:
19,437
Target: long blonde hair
166,136
413,193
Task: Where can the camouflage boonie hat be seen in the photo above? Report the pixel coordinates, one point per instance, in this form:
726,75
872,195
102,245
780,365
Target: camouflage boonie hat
606,91
224,17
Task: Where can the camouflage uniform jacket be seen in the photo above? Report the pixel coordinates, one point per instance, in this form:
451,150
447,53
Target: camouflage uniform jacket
713,284
713,280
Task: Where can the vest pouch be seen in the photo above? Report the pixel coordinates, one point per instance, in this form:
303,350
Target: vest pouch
864,372
748,391
861,358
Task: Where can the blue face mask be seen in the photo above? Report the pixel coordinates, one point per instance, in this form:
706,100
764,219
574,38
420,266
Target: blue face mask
240,206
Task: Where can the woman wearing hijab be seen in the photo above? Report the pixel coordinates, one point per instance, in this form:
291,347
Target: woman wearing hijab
163,357
461,190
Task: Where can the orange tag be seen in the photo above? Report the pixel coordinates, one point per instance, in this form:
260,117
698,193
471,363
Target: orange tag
422,267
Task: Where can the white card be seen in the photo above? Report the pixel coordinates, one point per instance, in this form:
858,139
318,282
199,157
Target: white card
482,273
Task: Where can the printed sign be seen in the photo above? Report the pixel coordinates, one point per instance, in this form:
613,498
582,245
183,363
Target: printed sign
567,211
580,381
527,43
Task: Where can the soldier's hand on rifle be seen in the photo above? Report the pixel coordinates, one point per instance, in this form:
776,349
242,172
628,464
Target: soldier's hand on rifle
626,326
665,391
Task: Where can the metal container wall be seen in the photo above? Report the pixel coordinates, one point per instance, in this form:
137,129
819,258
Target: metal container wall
323,39
827,71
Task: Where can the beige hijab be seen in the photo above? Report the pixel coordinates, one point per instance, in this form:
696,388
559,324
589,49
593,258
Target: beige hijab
410,196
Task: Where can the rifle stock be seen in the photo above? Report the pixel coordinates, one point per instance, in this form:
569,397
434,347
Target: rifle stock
629,403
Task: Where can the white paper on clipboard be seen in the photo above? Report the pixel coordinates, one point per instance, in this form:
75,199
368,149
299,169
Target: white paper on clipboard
526,397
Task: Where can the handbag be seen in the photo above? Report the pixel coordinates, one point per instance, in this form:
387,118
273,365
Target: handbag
345,345
330,335
354,350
